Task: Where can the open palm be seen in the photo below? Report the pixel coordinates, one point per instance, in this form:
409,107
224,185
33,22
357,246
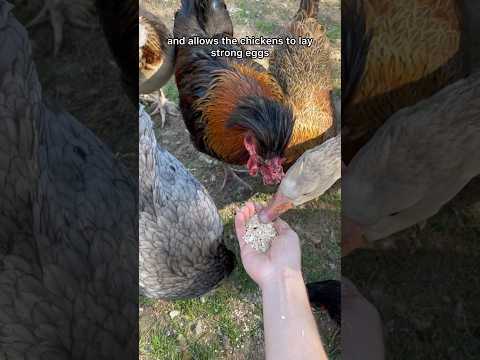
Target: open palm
282,258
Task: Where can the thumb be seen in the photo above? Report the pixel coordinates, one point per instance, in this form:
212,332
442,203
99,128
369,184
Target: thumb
281,226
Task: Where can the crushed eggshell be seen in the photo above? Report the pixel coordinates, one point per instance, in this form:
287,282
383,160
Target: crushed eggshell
259,235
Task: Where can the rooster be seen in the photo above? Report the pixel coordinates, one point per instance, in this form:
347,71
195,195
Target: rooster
411,49
234,109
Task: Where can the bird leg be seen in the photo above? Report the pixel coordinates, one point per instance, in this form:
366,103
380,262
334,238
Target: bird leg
229,172
53,8
160,101
239,170
162,107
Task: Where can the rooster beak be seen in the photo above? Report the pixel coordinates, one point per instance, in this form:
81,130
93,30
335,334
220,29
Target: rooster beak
276,206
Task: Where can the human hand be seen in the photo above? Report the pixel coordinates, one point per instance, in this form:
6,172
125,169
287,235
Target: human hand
281,260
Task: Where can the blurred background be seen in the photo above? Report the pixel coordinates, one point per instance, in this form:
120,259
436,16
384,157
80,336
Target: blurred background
425,280
83,77
227,323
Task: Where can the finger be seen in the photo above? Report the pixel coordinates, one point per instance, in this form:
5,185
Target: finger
258,207
250,209
242,216
281,226
240,221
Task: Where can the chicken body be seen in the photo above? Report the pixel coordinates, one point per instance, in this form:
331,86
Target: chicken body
68,270
415,48
304,73
418,161
182,254
233,108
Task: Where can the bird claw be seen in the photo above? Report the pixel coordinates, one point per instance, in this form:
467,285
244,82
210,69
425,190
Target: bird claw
53,10
40,17
230,172
56,20
162,107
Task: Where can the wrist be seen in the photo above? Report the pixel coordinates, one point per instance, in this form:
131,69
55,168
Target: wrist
281,279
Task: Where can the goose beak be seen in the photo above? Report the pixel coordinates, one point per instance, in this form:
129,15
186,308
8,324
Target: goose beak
276,206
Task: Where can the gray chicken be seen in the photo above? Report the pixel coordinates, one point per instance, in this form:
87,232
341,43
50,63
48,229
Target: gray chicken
182,254
181,251
68,214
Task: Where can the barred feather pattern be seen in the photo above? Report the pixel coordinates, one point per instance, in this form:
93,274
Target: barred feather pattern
304,73
417,47
182,254
69,226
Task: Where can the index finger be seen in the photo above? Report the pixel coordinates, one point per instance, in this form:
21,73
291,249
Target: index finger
281,226
241,218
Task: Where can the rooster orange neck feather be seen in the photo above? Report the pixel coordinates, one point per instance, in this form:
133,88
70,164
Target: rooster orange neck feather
227,89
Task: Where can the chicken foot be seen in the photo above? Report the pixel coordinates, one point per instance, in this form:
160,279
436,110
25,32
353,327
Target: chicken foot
229,172
54,11
162,106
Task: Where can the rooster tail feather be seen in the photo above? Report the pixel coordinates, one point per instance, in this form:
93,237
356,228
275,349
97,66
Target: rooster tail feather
308,9
204,18
355,44
270,122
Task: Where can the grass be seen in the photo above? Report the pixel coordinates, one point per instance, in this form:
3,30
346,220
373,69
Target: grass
171,92
201,327
265,27
426,286
231,316
334,32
